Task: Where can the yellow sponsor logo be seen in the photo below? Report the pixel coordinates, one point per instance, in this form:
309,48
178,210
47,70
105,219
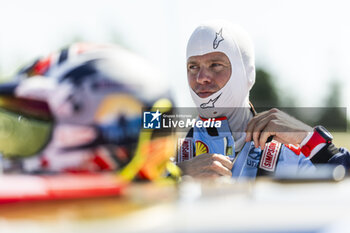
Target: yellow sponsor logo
201,148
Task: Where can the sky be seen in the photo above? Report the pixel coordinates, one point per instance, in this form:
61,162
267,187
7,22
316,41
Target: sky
304,44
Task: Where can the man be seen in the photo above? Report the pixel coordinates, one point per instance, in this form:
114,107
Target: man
221,72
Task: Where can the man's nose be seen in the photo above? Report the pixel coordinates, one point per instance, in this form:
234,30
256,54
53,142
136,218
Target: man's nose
203,76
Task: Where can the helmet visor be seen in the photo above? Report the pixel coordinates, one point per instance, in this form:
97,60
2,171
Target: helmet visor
23,134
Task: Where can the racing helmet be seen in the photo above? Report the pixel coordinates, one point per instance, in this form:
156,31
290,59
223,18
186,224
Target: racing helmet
81,109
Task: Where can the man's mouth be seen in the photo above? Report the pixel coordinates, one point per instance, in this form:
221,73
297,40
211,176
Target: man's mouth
204,94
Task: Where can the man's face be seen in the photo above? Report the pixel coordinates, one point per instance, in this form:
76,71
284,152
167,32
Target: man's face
208,73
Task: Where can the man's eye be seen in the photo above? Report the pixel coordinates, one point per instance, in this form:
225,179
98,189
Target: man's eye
192,67
215,65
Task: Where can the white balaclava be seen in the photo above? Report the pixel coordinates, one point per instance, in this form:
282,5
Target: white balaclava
232,100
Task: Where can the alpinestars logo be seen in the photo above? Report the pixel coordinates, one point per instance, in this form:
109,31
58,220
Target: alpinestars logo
218,39
210,103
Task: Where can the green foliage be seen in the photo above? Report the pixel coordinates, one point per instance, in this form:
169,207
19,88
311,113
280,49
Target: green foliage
266,95
333,116
264,92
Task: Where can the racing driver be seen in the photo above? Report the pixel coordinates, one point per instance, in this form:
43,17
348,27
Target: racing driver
221,72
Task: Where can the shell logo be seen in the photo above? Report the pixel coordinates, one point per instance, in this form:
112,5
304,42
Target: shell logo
201,148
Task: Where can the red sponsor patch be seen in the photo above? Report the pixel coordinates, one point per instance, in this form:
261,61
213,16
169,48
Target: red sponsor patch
185,149
294,147
270,155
